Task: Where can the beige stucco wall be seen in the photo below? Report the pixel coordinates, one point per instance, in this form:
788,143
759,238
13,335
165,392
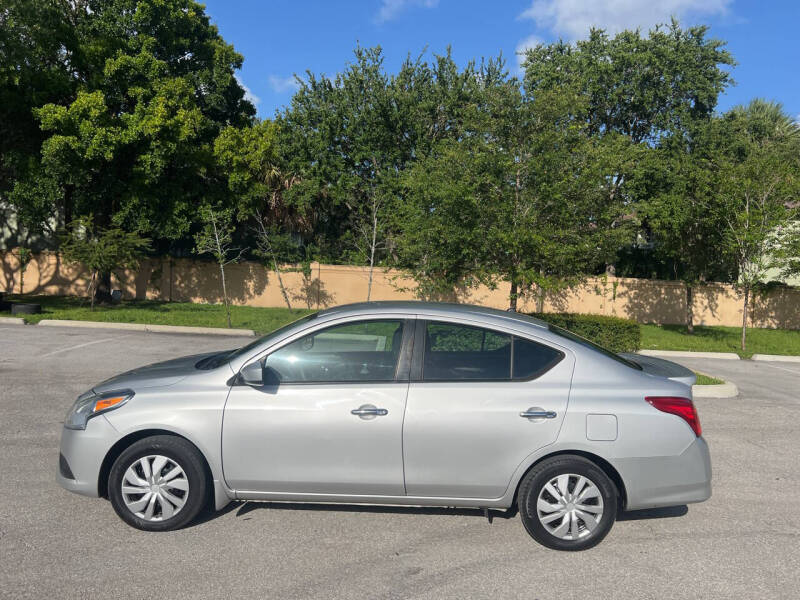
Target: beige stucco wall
644,300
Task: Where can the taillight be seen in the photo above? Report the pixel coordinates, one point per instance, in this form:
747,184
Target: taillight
682,407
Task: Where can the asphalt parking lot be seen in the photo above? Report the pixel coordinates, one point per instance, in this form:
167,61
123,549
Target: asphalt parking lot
743,543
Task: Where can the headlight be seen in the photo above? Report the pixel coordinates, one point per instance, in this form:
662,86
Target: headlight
90,404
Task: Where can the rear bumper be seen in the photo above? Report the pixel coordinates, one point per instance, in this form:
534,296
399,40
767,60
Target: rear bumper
667,480
82,454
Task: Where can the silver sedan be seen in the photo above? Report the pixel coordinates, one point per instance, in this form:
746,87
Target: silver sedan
396,403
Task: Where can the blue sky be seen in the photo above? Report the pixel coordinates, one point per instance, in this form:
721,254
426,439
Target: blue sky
279,38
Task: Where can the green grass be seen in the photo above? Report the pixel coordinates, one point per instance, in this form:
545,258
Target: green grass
721,339
264,320
703,379
261,320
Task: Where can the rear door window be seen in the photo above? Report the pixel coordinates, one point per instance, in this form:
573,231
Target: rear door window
461,352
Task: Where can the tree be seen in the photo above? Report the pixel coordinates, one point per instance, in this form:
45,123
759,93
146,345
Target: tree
345,139
684,230
38,57
350,138
257,181
640,86
101,250
518,198
639,90
24,255
216,238
757,169
132,145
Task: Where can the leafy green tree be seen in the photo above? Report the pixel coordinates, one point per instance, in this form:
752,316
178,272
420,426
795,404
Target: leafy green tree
101,250
257,182
757,171
38,55
684,230
637,88
518,198
133,146
641,86
216,238
346,139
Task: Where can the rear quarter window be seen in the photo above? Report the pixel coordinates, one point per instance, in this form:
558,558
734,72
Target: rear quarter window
532,359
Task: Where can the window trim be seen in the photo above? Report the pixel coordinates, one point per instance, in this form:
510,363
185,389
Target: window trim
418,357
403,359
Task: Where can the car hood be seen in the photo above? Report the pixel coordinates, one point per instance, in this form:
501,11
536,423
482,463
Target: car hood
662,368
158,374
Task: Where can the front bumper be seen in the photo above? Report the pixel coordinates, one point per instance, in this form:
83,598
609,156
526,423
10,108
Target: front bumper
667,480
82,454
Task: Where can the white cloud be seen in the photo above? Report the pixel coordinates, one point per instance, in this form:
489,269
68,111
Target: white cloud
572,19
248,94
283,84
391,8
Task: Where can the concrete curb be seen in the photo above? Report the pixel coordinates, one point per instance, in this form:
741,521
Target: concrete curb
776,358
148,327
688,354
11,321
723,390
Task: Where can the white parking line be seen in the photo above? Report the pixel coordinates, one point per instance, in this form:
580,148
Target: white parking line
119,337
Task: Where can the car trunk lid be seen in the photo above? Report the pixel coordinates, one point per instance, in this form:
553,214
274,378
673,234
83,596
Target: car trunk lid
662,368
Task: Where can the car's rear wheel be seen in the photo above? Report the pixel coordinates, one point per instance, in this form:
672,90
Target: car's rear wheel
567,503
158,483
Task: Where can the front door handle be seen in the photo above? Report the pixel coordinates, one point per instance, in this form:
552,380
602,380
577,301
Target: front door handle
538,413
369,411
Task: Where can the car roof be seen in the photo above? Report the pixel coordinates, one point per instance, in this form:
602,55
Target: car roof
448,309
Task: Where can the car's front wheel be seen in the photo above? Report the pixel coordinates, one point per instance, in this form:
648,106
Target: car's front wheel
567,503
158,483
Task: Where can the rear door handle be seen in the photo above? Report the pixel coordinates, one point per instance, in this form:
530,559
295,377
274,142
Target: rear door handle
368,411
538,413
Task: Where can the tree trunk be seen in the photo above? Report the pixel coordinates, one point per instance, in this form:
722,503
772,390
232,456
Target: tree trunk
68,207
512,298
102,292
540,291
744,316
372,250
369,283
689,308
280,283
92,283
225,295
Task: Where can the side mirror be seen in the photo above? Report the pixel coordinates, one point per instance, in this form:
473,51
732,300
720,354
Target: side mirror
252,374
257,375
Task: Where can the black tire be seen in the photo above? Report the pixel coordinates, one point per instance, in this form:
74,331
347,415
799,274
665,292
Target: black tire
177,450
540,475
25,309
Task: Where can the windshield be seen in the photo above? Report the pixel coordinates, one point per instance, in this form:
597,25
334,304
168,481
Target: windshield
586,343
212,362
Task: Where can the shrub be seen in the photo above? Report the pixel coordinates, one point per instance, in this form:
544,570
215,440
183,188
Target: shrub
613,333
